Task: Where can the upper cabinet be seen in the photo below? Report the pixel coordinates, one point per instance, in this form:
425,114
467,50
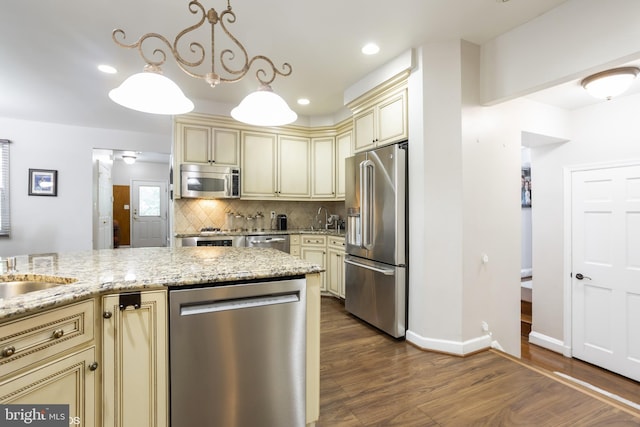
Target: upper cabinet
288,163
275,166
380,116
208,145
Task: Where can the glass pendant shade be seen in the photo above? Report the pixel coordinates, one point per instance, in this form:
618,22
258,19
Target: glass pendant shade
610,83
151,92
264,108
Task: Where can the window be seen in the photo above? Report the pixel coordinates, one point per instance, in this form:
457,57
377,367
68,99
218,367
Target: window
5,223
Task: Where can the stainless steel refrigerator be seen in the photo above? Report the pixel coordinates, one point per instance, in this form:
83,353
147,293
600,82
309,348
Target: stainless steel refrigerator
376,241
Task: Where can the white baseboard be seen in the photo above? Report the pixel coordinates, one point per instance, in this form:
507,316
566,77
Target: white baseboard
451,347
549,343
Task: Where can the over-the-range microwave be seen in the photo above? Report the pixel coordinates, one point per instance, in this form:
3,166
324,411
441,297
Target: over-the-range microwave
209,181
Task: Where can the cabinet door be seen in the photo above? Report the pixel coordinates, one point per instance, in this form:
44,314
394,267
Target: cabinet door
343,150
392,119
135,374
195,144
316,255
294,167
68,380
258,172
334,270
225,147
323,168
364,128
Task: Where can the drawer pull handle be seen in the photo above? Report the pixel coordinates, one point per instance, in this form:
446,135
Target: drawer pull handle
107,314
8,351
58,333
93,366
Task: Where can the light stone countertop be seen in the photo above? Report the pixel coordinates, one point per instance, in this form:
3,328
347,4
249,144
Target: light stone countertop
329,232
129,269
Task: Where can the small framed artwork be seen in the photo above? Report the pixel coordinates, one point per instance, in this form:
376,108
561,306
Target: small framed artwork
525,190
43,182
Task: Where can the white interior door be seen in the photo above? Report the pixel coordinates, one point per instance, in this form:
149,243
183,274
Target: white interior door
148,213
105,207
606,268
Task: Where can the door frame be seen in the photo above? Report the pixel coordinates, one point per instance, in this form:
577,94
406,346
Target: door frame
567,349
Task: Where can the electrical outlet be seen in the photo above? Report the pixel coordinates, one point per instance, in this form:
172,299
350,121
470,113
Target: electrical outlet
273,214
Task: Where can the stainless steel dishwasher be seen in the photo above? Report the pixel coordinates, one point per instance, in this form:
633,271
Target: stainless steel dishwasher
237,355
276,241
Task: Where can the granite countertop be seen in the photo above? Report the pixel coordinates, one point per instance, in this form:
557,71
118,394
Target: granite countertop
330,232
105,271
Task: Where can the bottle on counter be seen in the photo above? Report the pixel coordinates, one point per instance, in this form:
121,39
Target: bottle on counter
259,221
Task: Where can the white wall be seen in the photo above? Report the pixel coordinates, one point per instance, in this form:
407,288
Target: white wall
464,202
123,174
62,223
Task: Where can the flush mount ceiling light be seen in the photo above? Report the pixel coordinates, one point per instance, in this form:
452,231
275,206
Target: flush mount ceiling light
129,159
610,83
152,92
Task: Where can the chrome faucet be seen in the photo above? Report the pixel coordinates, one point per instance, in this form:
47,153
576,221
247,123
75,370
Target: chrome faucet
326,216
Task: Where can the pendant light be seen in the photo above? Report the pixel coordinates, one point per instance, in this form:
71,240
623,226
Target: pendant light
151,92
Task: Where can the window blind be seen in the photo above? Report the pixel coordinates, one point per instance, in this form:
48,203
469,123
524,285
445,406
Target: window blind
5,219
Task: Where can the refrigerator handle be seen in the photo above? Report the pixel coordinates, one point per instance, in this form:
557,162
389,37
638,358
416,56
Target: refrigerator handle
366,194
385,271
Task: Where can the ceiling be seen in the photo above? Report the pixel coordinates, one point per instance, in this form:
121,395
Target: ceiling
51,49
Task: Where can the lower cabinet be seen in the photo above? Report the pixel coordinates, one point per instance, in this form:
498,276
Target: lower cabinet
135,369
50,358
335,266
313,248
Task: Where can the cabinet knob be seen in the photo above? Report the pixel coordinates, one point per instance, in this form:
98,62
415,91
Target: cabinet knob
107,314
58,333
93,366
8,351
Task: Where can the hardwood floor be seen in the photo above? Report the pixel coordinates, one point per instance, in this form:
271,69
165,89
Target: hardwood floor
369,379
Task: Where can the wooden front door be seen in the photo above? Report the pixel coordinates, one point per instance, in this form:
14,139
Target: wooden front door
121,214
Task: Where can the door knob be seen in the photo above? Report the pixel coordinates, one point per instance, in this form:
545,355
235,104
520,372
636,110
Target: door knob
580,276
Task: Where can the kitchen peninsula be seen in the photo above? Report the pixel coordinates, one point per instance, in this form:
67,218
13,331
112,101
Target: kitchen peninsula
103,332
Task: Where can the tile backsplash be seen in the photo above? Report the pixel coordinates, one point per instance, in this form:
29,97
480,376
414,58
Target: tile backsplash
191,215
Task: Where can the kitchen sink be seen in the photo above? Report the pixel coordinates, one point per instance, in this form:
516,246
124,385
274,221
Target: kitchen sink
13,288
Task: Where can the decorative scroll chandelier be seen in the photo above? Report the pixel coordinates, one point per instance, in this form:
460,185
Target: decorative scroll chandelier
152,92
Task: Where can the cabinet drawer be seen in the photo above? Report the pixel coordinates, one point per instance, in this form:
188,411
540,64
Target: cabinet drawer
294,239
314,240
295,250
336,241
35,338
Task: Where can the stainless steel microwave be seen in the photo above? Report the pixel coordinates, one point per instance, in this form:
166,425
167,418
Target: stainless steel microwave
209,182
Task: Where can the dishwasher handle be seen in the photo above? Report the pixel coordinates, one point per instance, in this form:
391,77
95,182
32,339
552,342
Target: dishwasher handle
268,240
238,303
385,271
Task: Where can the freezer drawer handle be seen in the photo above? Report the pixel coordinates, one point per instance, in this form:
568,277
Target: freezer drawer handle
385,271
240,303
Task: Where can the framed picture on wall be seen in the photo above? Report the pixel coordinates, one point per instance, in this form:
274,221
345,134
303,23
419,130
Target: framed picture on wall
43,182
525,189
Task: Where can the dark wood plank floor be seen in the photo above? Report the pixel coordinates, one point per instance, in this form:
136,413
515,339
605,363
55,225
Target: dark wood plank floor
370,379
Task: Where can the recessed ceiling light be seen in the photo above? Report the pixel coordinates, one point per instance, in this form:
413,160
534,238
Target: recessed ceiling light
107,69
370,49
303,101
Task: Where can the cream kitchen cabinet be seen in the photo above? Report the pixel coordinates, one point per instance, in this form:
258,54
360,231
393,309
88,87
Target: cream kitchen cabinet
51,358
343,150
202,144
294,244
135,369
380,116
335,266
275,166
313,248
323,168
